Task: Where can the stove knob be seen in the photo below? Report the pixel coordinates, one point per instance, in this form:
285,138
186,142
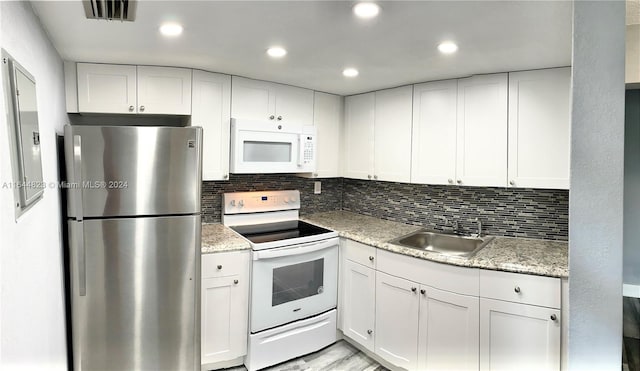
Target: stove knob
233,203
286,200
293,200
241,203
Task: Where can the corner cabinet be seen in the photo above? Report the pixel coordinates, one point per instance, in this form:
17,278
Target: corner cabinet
539,128
212,111
378,135
125,89
266,101
224,309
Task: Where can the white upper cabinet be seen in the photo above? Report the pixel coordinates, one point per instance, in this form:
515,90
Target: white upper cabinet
358,141
433,159
212,110
392,134
539,128
482,131
164,90
106,88
327,118
377,142
123,89
266,101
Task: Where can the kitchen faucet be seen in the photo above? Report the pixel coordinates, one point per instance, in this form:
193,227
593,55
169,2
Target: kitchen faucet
479,234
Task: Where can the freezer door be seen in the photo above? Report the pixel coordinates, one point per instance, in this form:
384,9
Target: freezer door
130,171
139,309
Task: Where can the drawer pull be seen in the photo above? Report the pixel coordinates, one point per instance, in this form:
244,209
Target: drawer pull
235,282
219,267
413,289
371,258
423,291
369,332
553,317
517,289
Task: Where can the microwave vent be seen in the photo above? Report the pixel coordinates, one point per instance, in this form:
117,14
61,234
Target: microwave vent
117,10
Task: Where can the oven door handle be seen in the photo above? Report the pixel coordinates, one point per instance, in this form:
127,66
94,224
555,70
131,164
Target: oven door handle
294,250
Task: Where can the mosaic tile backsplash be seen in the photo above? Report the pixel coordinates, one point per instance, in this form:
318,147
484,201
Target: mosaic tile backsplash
329,200
533,213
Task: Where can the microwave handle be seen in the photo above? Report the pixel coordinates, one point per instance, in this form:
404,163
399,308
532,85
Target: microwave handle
300,150
294,250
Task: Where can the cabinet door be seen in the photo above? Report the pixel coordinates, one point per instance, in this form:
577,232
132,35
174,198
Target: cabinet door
358,303
293,105
252,99
358,141
392,134
327,118
539,128
482,131
212,111
106,88
433,159
397,303
449,335
224,318
518,336
164,90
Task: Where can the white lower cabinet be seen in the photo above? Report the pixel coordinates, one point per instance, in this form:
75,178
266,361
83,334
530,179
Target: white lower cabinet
358,303
517,336
397,307
224,308
449,333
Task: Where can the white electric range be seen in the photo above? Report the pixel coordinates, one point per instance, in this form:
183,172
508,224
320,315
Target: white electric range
294,278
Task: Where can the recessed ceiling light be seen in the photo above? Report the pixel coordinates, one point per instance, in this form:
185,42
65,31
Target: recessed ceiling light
171,29
448,47
366,9
350,72
276,52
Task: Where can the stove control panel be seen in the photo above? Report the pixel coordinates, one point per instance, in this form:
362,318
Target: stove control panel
256,202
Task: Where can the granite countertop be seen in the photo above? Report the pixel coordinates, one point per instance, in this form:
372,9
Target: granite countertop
520,255
219,238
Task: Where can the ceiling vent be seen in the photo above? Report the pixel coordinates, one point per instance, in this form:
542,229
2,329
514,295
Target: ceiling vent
122,10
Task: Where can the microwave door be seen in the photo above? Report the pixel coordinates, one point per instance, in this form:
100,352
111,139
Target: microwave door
265,152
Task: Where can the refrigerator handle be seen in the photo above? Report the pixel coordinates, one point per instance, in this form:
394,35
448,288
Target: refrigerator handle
82,265
77,175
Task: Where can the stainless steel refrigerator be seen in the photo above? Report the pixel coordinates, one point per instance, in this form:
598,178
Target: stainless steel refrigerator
134,246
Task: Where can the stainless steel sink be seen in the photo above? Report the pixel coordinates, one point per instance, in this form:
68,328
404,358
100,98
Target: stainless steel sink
443,243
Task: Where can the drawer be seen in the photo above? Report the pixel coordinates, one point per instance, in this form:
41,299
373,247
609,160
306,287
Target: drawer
461,280
359,252
520,288
225,264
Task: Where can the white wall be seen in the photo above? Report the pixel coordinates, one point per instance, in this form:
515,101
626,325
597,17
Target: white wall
596,195
32,321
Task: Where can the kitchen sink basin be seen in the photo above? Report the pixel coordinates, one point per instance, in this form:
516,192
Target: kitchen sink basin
443,243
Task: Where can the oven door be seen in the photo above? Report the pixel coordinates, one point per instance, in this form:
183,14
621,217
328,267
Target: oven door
293,282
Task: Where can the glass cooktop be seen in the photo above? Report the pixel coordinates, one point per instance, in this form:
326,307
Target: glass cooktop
280,231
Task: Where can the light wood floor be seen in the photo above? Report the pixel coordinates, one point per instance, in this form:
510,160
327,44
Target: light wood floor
339,356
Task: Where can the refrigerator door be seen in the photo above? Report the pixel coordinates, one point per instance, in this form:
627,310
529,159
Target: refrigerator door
139,307
131,170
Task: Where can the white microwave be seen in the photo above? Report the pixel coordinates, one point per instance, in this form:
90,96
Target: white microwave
268,147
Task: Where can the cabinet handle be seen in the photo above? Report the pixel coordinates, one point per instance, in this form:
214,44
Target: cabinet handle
315,175
369,176
414,289
450,181
235,282
517,289
369,332
375,177
131,108
225,176
271,117
219,267
459,181
279,118
423,291
371,258
553,317
141,108
512,183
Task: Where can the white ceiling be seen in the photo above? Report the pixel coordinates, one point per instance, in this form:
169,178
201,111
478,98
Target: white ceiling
322,38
